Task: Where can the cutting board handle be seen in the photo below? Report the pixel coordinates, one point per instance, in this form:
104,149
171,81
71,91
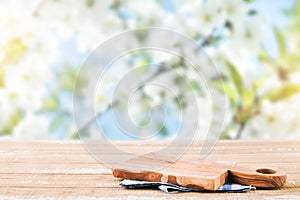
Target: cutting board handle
262,177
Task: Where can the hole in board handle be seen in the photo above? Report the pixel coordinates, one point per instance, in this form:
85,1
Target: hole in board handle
266,171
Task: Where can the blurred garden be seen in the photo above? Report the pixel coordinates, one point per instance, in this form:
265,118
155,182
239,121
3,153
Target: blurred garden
255,44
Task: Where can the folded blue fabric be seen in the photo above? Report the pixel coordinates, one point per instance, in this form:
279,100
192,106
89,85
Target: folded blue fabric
171,188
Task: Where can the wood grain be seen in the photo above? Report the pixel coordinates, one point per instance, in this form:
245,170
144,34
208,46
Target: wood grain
202,174
65,170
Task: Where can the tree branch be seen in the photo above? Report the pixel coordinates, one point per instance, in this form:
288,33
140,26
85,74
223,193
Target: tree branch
240,130
116,102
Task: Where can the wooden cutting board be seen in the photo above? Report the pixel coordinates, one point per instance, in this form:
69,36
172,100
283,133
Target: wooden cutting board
200,174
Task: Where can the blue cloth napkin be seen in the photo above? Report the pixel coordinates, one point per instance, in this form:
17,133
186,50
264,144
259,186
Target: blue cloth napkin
171,188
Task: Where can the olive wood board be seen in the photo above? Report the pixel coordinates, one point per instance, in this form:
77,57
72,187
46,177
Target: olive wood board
201,174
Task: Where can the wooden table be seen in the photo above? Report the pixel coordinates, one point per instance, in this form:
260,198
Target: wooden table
65,170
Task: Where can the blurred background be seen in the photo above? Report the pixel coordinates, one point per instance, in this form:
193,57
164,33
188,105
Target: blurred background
44,43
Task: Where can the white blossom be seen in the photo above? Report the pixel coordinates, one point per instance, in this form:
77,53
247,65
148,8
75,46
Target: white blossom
234,10
248,36
30,39
203,16
139,18
32,127
277,120
6,108
27,52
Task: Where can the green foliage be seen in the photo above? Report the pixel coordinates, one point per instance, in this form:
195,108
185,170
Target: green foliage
228,90
68,77
295,12
194,84
263,55
12,122
145,60
2,77
248,97
242,98
50,104
15,49
74,136
90,3
252,12
164,131
235,77
281,42
282,92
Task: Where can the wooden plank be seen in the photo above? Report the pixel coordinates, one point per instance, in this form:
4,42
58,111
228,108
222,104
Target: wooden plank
64,169
118,193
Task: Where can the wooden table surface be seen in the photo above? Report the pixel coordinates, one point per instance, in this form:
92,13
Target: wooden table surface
65,170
